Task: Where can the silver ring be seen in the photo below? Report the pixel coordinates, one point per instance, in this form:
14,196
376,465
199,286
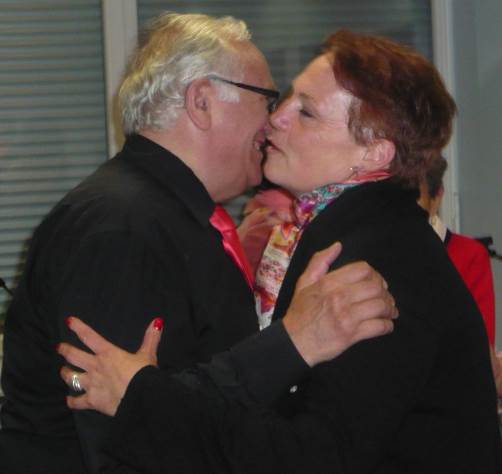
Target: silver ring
75,383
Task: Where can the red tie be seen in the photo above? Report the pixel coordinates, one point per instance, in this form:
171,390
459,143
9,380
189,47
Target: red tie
224,224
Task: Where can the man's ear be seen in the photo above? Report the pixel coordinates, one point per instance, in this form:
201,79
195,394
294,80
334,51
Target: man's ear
198,97
380,154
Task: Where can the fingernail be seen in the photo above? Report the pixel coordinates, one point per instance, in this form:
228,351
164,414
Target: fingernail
56,347
158,324
68,321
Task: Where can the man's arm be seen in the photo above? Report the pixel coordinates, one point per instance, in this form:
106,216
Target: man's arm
111,281
328,313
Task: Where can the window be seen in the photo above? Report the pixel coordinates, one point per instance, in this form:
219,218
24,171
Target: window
52,113
289,32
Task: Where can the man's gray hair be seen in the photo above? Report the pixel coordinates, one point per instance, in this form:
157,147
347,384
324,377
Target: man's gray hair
178,49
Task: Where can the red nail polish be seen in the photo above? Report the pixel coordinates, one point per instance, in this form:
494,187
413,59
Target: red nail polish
68,320
158,324
56,347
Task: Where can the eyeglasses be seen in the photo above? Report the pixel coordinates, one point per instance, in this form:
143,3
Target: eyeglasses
271,94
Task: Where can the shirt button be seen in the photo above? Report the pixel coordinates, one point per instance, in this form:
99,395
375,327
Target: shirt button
293,389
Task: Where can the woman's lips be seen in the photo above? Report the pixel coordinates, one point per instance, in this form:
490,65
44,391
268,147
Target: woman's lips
271,146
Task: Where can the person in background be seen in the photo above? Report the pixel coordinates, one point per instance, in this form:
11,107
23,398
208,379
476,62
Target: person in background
143,237
350,140
469,256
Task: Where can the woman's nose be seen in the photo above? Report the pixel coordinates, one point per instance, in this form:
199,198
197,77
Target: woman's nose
278,118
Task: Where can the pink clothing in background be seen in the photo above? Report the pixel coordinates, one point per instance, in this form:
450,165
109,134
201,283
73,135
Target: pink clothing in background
262,212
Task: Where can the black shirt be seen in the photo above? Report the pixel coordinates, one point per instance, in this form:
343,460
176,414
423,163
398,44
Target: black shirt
130,243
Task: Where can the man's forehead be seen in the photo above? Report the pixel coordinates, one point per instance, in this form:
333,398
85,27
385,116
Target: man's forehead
259,74
257,68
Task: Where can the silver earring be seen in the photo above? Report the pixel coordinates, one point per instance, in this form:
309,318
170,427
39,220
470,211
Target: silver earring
354,169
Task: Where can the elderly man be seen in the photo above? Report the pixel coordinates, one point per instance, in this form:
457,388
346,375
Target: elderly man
142,238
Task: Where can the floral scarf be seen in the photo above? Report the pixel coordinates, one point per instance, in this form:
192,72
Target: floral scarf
284,239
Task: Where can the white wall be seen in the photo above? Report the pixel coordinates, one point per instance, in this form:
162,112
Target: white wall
477,32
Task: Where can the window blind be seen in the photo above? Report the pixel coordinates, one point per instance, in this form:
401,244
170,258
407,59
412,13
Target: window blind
289,32
52,113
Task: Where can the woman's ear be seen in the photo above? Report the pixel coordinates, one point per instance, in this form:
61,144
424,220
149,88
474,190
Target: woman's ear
198,97
436,201
380,154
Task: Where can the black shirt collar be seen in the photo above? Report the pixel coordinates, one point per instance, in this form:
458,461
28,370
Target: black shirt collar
170,172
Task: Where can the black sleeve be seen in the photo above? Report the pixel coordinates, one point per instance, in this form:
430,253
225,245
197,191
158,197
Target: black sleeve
113,282
261,368
347,415
254,373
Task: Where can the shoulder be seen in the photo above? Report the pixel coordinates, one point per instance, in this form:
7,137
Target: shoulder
376,201
465,243
116,198
119,186
375,215
464,251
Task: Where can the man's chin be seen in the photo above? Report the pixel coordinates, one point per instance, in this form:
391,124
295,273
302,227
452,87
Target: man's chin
255,180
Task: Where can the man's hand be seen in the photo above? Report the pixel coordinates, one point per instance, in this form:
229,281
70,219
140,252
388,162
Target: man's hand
330,312
109,370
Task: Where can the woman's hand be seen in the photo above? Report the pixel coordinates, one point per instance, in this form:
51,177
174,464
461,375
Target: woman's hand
109,370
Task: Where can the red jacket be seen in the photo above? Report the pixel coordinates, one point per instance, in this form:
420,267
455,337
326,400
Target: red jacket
472,261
